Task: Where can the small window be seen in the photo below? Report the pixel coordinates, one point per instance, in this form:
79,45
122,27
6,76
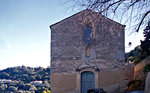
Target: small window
87,51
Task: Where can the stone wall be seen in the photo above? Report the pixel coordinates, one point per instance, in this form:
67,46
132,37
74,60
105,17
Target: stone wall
67,47
68,52
129,71
63,83
147,84
110,81
138,69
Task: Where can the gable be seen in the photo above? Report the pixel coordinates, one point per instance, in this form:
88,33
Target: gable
85,16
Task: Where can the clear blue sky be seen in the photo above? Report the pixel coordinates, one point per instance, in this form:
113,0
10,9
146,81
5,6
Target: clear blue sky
25,33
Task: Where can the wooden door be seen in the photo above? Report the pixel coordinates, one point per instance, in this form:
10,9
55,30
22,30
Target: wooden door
87,81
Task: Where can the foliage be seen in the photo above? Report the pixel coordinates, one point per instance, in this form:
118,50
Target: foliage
145,45
3,87
46,91
142,51
133,82
146,68
135,55
137,60
131,58
21,78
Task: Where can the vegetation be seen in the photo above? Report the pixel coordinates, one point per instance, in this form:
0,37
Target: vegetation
135,85
146,68
142,51
135,55
145,45
133,82
46,91
18,80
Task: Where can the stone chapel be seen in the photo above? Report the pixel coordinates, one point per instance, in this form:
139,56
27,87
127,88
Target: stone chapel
87,51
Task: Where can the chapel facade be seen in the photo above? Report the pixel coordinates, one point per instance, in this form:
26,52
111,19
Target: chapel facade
87,51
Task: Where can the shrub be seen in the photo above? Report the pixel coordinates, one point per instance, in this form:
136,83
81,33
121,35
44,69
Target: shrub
133,82
146,68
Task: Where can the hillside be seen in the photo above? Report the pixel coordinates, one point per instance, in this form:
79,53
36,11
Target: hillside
24,79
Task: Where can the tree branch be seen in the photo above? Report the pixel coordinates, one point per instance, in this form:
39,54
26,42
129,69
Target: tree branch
142,20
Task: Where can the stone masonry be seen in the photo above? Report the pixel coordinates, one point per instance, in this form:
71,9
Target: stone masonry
87,51
67,45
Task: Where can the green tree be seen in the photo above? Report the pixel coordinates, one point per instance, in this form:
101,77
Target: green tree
145,45
21,78
4,75
131,58
27,86
146,68
32,88
13,89
47,84
3,87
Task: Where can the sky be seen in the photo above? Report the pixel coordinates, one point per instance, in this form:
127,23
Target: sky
25,33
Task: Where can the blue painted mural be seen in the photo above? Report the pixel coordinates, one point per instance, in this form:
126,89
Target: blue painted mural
88,34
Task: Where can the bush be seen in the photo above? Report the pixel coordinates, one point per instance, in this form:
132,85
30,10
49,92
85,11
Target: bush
146,68
131,58
137,60
133,82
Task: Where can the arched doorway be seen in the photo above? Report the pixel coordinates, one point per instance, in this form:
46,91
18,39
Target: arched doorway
87,81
